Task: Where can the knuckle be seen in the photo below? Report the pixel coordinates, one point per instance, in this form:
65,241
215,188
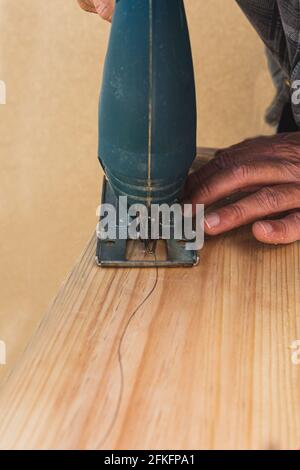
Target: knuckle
288,145
223,160
238,212
204,189
270,198
293,169
241,173
103,9
296,218
105,15
193,182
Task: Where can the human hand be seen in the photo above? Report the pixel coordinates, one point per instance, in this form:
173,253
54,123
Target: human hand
266,167
104,8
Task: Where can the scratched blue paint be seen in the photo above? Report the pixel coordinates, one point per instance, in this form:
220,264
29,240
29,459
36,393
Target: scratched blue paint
148,66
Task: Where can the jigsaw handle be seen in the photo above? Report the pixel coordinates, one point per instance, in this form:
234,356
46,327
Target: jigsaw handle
147,117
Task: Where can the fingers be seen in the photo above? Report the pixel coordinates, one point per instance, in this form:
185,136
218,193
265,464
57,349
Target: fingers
223,161
265,202
105,8
269,168
247,144
243,175
87,5
280,145
275,232
283,147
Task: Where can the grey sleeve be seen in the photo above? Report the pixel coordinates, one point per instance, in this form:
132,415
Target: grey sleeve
278,24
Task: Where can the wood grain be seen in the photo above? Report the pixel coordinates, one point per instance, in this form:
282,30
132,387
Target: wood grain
206,359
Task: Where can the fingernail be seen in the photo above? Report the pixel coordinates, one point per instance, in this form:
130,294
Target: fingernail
212,220
265,227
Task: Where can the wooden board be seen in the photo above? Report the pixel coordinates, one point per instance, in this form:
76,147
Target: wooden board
204,362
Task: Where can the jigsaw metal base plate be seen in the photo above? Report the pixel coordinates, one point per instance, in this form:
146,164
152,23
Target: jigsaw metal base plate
114,253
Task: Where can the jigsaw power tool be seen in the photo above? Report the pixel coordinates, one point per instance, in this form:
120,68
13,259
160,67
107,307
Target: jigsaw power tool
147,118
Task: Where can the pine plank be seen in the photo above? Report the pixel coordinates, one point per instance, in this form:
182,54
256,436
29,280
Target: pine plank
206,359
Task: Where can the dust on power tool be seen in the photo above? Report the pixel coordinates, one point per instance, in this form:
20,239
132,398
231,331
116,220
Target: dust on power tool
147,118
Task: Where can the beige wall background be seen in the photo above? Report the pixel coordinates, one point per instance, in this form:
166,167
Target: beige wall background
51,57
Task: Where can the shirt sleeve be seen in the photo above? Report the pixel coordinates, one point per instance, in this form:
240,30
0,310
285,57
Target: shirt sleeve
87,5
265,17
278,24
